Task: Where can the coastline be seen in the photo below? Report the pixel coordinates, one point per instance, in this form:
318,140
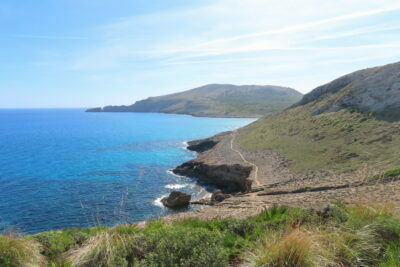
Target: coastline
279,186
210,116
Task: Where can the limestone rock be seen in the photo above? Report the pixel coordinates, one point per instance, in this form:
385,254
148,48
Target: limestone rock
176,200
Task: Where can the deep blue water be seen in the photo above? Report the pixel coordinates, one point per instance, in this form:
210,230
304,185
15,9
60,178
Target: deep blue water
64,168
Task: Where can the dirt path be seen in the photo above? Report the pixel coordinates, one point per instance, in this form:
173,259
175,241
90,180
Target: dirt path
256,180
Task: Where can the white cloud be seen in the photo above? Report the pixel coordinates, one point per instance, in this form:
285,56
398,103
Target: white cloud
254,41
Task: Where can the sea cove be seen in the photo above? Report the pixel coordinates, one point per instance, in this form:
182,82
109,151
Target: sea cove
63,168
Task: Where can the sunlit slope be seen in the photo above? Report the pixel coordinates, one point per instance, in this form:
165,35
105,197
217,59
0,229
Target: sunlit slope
350,122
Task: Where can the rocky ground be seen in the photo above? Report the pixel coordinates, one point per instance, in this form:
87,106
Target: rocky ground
275,184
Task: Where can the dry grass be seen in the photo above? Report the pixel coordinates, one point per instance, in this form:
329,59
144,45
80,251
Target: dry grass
296,248
104,249
333,247
15,251
372,210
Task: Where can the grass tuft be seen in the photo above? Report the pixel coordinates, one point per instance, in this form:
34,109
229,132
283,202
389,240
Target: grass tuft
294,248
19,252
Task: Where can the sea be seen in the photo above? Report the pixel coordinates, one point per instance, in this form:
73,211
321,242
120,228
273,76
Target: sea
63,168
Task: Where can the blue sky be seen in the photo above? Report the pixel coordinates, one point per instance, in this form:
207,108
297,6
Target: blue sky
85,53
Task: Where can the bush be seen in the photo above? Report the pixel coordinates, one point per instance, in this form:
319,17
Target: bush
392,173
164,246
55,243
19,252
238,227
391,256
181,246
273,214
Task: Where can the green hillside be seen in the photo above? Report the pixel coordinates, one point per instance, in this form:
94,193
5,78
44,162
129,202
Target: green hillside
348,123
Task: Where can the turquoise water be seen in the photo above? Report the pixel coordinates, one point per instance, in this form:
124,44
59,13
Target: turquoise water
64,168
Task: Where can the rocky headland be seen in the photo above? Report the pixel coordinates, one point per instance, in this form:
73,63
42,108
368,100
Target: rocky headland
216,100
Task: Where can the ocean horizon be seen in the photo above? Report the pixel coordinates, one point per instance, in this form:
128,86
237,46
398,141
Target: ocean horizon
63,168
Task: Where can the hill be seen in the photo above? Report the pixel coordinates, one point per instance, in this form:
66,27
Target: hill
343,125
216,100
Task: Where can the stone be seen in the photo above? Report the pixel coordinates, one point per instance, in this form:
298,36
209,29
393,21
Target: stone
218,196
176,200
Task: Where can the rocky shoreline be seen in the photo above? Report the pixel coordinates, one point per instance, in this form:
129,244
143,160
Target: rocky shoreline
217,164
229,178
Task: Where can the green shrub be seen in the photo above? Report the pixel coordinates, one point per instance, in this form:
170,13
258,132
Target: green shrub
57,242
181,246
238,227
392,173
273,214
391,257
196,223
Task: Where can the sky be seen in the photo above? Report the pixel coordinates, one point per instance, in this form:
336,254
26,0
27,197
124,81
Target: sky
85,53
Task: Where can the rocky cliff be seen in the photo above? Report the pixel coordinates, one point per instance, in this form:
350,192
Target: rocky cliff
229,176
375,90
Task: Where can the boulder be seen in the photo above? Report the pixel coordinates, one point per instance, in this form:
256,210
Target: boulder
218,196
176,200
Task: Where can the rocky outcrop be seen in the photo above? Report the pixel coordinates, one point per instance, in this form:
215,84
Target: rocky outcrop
205,144
176,200
228,178
375,90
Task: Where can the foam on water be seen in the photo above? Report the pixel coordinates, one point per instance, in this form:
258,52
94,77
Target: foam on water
176,186
157,201
170,172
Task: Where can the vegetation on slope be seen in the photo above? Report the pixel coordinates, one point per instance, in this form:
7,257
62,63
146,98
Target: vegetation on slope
337,235
351,121
217,100
343,140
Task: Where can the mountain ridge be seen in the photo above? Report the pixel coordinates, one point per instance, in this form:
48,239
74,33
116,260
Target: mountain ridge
375,90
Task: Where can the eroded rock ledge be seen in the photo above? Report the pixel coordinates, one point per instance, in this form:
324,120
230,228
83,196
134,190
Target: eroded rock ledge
205,144
228,178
